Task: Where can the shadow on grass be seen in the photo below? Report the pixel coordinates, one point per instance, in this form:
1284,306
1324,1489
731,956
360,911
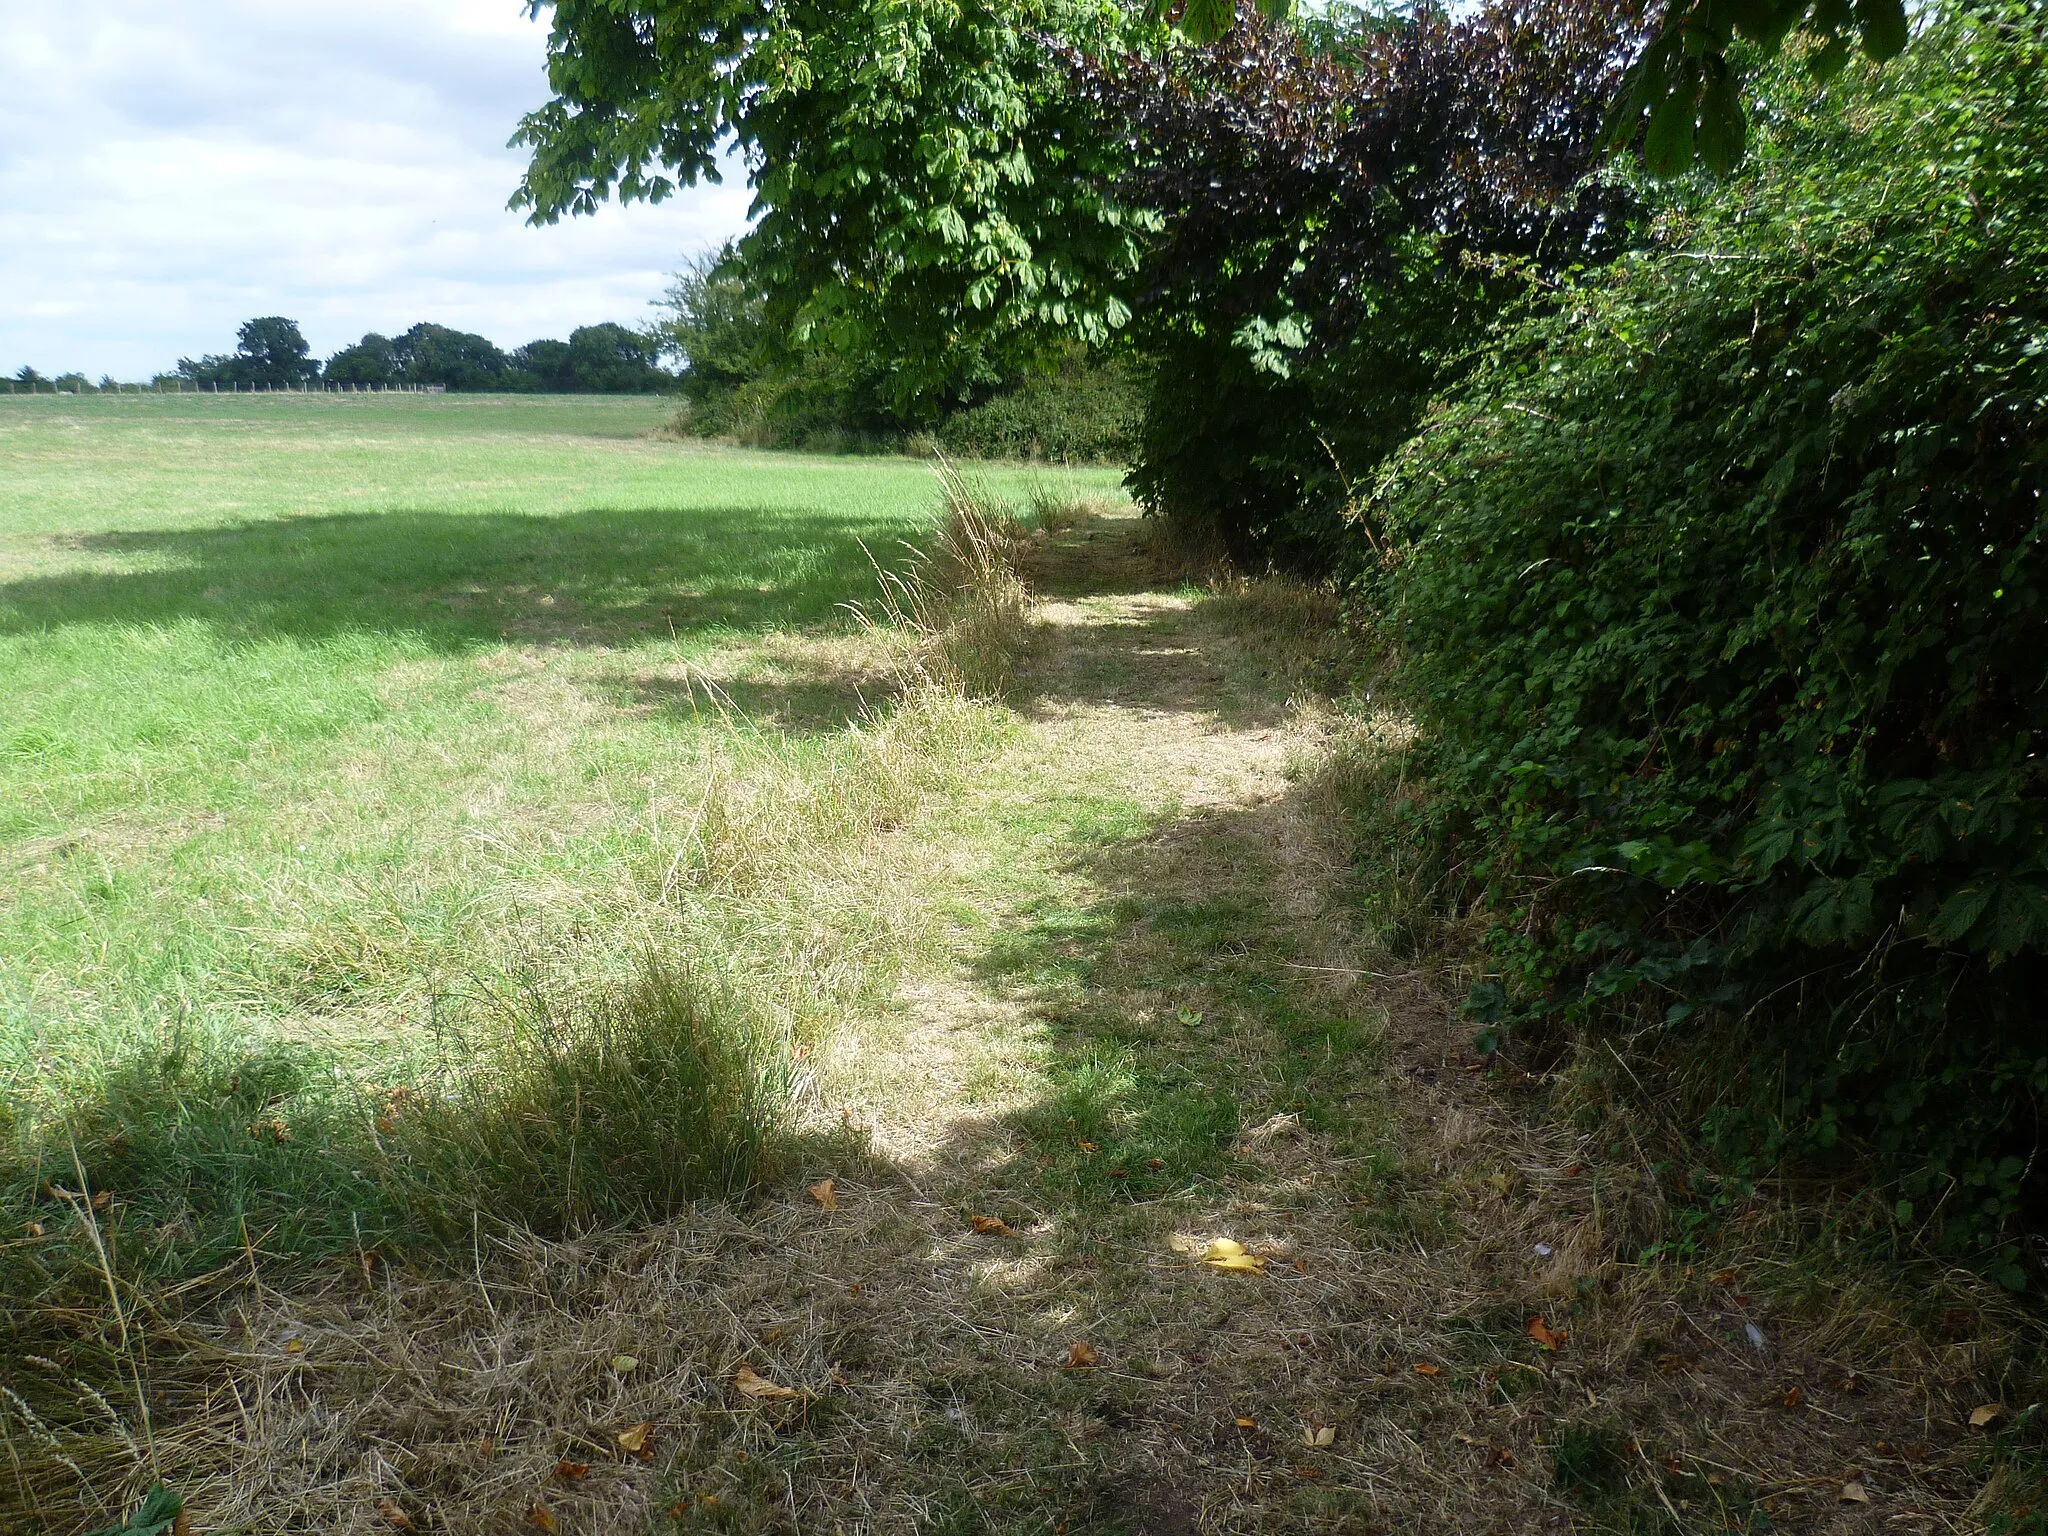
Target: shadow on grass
461,581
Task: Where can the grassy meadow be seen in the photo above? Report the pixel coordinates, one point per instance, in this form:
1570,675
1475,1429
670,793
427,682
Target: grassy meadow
335,731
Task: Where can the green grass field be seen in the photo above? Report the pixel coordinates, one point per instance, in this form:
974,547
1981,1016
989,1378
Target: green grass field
317,711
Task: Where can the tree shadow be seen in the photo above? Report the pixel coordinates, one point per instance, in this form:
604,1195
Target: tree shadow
461,581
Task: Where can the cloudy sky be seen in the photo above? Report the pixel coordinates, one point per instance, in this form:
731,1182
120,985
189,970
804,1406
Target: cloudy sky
170,168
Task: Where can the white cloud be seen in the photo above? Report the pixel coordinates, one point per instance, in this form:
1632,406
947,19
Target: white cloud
168,171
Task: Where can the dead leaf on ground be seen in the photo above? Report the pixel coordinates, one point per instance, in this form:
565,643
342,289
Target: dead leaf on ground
1793,1397
1088,1147
1545,1336
1247,1423
637,1440
393,1516
750,1383
572,1471
1425,1368
825,1192
1722,1279
1988,1415
295,1346
623,1363
1228,1254
994,1226
541,1517
1853,1493
1315,1437
1081,1354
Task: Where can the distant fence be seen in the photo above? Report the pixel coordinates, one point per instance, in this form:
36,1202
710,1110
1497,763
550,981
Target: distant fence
190,387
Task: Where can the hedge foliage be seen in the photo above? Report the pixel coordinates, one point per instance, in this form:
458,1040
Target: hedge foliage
1724,600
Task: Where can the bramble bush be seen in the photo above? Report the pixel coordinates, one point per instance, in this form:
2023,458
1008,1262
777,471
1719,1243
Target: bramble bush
1724,604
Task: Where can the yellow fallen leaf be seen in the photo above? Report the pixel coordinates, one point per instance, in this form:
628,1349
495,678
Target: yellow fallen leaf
1088,1146
1424,1368
1080,1354
993,1226
1988,1415
1315,1437
541,1517
1228,1254
623,1363
295,1346
1247,1423
637,1440
825,1192
749,1383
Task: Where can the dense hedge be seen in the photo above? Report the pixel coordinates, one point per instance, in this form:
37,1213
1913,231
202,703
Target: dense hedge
1724,599
1345,206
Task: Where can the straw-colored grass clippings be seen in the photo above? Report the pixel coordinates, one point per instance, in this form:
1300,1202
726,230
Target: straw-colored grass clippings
1456,1298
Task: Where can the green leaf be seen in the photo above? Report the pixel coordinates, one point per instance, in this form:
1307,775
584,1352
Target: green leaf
155,1516
1884,26
1723,129
1829,61
1206,20
1668,147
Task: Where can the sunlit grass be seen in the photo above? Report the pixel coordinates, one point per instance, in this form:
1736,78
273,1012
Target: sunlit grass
329,725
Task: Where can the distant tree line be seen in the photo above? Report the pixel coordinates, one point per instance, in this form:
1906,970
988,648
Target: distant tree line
272,353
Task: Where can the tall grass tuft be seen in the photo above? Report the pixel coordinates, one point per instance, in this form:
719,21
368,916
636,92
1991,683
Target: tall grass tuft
964,598
626,1104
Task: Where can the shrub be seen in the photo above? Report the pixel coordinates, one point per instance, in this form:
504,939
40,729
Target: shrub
1344,208
1722,591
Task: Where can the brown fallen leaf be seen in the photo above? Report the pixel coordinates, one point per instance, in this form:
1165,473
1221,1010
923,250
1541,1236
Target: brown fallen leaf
1793,1397
1425,1368
1308,1474
637,1440
1853,1493
993,1226
1546,1337
825,1192
1669,1362
1228,1254
1988,1415
1155,1163
393,1516
1722,1279
572,1471
1081,1354
1088,1146
541,1517
749,1383
1499,1456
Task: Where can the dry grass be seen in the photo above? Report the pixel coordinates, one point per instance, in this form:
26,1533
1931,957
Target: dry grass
1168,966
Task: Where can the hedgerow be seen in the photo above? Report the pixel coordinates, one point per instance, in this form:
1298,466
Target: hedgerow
1724,605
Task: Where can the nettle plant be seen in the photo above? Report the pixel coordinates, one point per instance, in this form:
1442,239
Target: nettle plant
1724,588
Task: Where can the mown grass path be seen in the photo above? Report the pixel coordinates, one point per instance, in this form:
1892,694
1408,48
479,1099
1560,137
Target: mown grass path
1151,1025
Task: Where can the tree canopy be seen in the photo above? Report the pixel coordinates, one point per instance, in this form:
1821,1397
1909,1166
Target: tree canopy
929,190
